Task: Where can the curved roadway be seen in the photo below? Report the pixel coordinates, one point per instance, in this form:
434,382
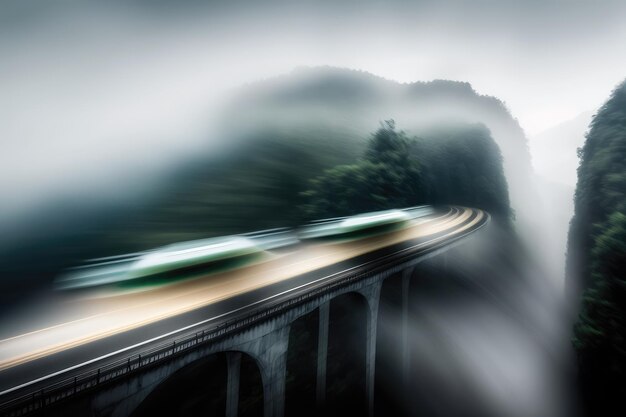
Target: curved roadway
87,330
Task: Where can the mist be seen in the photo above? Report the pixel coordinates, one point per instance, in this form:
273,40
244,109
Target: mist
90,87
118,121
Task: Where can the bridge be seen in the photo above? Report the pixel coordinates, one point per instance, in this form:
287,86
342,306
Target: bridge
120,360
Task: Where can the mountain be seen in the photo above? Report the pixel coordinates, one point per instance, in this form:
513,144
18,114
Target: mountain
601,187
456,164
280,133
597,260
277,135
358,101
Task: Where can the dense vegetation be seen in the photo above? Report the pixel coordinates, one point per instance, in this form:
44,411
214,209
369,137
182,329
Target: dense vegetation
253,187
278,135
597,260
457,164
356,100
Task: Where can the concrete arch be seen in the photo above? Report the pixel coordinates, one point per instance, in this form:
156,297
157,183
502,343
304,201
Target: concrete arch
308,351
204,386
393,348
210,370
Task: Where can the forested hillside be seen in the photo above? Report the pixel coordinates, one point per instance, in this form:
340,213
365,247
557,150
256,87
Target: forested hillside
597,260
457,164
286,130
356,100
277,135
282,132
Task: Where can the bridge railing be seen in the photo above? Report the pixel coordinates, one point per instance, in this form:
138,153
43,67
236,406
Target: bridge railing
85,381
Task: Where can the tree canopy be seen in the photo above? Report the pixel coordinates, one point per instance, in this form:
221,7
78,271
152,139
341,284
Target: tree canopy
601,188
597,260
458,164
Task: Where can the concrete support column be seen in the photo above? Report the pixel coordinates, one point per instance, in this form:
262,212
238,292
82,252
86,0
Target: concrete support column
322,354
406,351
233,360
373,300
275,364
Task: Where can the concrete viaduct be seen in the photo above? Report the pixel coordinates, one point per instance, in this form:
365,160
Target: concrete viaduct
121,389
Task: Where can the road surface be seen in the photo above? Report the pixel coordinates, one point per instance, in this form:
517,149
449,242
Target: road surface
84,330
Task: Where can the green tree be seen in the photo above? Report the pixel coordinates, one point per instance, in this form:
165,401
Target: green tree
464,166
600,334
601,187
457,164
386,177
596,260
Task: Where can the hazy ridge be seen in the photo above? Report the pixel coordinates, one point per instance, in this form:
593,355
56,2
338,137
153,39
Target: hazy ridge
279,134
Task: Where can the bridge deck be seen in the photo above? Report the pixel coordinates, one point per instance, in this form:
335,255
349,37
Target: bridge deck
88,329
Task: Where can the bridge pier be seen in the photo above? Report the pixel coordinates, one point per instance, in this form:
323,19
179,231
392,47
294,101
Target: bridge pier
232,383
273,362
262,333
406,352
372,295
322,354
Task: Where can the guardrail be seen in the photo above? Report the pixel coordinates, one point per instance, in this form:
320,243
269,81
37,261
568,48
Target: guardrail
86,381
69,387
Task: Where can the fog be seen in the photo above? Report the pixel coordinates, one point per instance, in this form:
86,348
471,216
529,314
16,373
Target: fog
101,102
95,93
483,341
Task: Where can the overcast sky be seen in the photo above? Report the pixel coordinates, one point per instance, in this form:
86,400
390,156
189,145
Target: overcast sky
83,82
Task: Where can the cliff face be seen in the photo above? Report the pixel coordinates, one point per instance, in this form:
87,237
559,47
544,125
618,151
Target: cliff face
455,164
277,135
597,261
601,187
354,103
287,130
357,101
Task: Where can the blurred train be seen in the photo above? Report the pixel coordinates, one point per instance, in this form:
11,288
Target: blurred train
200,257
362,224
